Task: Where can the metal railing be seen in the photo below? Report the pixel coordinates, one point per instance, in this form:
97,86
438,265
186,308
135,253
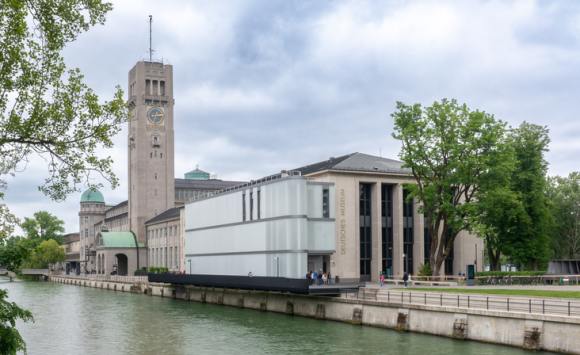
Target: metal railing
112,278
491,303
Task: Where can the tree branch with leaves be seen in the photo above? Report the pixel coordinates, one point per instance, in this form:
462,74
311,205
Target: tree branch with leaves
450,149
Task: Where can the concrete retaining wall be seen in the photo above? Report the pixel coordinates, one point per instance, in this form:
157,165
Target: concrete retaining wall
529,331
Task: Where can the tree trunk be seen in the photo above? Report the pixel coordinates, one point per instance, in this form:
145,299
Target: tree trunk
494,258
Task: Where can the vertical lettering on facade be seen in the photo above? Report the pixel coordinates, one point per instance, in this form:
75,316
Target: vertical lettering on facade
342,230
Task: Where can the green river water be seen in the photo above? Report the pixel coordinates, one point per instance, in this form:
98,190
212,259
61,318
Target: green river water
80,320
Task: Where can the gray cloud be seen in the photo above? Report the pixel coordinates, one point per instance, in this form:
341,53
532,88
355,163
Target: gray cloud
266,85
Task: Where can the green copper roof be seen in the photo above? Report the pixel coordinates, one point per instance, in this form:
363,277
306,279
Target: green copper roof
197,174
92,195
117,240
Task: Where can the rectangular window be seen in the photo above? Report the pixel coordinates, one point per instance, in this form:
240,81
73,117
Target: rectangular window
325,203
365,233
387,229
244,207
408,231
162,87
259,204
251,205
148,87
155,87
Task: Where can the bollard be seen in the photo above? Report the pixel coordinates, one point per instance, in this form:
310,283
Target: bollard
530,301
441,299
508,304
425,298
487,302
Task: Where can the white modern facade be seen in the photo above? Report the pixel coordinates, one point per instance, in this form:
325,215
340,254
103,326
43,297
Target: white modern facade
281,226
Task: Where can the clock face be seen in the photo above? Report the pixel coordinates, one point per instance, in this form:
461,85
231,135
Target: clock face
155,115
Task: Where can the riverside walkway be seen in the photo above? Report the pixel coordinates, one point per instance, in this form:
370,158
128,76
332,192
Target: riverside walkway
515,304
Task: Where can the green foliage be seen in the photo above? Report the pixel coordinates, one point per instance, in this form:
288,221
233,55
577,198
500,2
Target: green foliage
15,251
425,270
564,197
529,243
43,226
7,221
158,270
45,108
450,150
10,340
46,253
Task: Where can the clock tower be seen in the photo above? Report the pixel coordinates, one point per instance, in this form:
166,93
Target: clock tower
151,151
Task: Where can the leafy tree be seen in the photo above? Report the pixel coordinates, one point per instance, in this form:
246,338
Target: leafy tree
15,251
450,150
564,196
45,108
529,244
43,226
7,221
10,340
46,253
500,210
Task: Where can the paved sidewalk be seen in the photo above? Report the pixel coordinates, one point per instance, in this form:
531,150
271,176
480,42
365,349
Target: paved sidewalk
519,304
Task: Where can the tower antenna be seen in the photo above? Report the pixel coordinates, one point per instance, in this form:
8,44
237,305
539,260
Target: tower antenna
150,48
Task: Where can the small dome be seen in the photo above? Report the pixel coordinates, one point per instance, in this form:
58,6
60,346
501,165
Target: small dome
92,195
197,174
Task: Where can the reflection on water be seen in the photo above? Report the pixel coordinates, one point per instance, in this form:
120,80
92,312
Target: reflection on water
78,320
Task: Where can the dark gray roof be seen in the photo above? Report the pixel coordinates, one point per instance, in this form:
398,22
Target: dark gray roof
71,237
165,215
120,204
211,184
357,162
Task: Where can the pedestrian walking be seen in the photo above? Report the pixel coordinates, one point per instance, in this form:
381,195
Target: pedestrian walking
406,278
382,279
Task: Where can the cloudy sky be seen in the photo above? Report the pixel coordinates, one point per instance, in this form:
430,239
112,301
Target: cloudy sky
262,86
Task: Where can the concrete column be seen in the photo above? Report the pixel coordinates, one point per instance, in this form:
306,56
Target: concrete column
418,239
398,268
376,231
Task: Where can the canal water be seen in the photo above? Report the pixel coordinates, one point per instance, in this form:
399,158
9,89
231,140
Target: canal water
80,320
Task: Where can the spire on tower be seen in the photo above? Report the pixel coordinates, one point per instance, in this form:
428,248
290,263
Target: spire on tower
150,38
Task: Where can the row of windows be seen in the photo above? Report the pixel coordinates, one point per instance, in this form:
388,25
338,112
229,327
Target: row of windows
165,257
154,154
251,205
156,233
191,195
387,231
154,87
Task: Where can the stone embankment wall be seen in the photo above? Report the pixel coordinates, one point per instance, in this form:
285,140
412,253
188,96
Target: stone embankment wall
529,331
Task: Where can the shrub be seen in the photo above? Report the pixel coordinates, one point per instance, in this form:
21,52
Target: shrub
425,270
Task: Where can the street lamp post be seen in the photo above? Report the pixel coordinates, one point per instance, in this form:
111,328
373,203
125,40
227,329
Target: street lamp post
277,259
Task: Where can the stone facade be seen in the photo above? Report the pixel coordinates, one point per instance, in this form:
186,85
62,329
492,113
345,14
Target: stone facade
151,143
90,214
164,234
364,170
